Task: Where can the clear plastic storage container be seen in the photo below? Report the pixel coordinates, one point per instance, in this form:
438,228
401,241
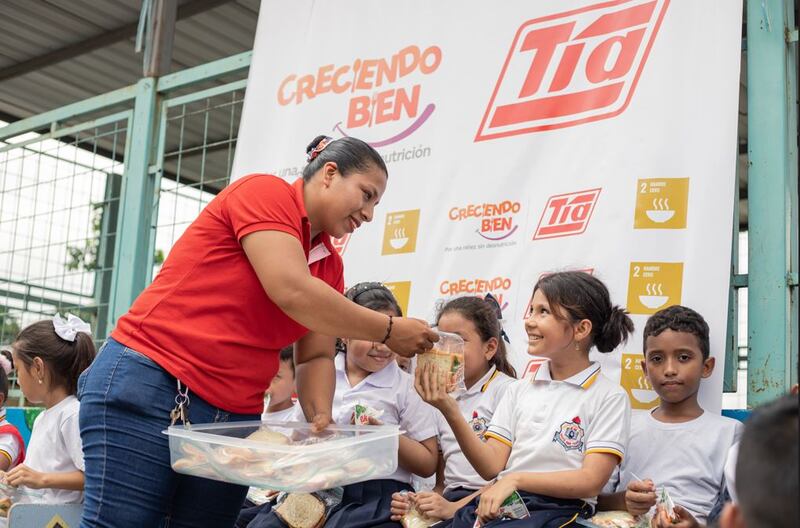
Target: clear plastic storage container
299,461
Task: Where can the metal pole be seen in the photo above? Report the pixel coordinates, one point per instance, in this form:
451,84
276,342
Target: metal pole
772,198
136,204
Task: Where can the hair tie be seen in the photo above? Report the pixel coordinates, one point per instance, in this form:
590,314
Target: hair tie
67,329
6,365
324,142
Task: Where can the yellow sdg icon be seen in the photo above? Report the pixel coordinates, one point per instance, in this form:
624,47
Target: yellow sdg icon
661,203
402,292
653,286
400,233
636,384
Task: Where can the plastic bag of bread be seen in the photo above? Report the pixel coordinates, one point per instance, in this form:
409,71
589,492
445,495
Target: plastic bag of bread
614,519
415,518
307,510
447,356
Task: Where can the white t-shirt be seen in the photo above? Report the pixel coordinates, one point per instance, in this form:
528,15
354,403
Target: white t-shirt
55,447
551,425
9,445
389,390
687,458
477,406
730,470
286,415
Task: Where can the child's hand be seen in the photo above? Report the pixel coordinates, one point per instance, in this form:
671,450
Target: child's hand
435,506
401,503
685,519
640,496
24,476
431,386
492,499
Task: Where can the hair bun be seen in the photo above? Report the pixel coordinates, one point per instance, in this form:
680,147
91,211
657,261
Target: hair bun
615,330
315,143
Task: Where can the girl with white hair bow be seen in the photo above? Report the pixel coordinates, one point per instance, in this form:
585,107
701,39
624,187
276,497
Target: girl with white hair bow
49,357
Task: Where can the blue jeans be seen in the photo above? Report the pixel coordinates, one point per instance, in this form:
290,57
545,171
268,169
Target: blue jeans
126,400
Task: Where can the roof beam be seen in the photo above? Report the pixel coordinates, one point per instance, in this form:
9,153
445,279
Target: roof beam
119,34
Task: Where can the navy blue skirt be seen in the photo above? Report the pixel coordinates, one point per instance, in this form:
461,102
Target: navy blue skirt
367,505
546,512
364,505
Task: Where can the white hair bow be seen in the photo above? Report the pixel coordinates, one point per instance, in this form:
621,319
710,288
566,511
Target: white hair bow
68,328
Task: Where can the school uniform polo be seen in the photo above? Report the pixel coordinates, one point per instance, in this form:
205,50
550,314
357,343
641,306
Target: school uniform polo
205,318
389,390
477,406
551,425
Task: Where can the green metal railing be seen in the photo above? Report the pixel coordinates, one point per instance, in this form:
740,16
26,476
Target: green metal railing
174,140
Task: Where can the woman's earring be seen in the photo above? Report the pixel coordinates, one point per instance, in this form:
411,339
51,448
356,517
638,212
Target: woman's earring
40,381
577,347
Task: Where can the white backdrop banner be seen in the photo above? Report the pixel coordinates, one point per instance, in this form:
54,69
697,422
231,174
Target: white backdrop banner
521,138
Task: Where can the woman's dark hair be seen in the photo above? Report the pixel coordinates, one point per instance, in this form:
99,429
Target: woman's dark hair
349,154
4,376
372,295
66,360
576,295
484,315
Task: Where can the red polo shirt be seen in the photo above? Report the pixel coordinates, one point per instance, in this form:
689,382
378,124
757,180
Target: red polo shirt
206,318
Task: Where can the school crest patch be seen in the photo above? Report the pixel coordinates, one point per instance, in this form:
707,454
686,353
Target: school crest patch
479,425
570,435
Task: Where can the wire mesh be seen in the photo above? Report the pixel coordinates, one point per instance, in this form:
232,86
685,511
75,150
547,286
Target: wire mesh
200,139
59,202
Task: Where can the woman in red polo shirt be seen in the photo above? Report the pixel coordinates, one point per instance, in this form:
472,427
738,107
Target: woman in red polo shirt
253,273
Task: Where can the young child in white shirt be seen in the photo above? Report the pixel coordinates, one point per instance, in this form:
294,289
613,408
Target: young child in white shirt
49,357
557,438
678,446
487,375
280,405
12,446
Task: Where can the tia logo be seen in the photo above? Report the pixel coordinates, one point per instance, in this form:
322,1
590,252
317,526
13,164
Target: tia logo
571,68
496,219
381,92
567,214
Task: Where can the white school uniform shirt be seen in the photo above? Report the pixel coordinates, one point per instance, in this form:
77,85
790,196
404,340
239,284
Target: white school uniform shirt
286,415
389,390
9,445
477,406
55,447
688,458
551,425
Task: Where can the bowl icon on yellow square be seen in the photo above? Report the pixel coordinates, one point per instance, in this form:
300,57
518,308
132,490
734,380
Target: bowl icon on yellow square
653,286
400,232
661,203
633,380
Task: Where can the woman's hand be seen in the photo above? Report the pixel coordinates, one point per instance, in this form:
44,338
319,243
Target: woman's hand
493,498
24,476
410,336
320,421
431,384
